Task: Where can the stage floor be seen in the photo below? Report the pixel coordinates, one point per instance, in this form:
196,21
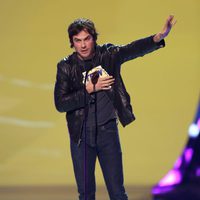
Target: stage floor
184,192
66,193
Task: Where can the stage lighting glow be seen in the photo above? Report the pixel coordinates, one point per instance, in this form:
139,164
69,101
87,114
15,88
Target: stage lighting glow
173,177
194,130
159,190
187,167
188,154
198,123
198,172
178,163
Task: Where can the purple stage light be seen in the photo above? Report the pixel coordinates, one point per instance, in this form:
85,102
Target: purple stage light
186,169
198,123
173,177
157,190
188,154
198,172
178,163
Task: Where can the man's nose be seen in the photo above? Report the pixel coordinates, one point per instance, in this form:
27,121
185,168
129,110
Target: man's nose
83,44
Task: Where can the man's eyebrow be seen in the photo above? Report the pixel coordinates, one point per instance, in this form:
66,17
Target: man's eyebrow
75,38
87,37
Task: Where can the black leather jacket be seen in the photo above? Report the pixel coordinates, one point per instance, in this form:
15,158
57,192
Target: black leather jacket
71,96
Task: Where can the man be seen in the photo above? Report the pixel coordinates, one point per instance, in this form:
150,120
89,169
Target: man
90,89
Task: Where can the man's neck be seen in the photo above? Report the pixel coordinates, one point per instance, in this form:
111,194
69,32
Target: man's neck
87,58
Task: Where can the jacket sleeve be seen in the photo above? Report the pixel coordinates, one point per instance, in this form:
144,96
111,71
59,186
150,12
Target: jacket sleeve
135,49
65,100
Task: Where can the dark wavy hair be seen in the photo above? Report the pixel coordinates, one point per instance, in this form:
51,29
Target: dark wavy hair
81,24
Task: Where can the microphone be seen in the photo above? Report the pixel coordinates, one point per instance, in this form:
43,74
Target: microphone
95,77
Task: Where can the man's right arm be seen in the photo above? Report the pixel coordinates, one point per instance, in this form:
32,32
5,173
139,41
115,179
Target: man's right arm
66,100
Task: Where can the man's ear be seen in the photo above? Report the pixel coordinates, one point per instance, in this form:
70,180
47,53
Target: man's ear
71,45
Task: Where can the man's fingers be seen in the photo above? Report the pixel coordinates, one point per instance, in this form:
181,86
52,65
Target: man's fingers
107,83
171,20
106,78
106,88
104,83
170,17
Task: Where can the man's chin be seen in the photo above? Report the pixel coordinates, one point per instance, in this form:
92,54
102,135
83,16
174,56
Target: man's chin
85,56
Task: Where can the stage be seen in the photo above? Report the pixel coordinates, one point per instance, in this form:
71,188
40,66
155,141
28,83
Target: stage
66,193
184,192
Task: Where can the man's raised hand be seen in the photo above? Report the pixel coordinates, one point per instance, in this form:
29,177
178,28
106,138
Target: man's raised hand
170,22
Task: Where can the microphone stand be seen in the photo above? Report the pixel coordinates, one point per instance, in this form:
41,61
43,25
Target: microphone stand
84,127
94,80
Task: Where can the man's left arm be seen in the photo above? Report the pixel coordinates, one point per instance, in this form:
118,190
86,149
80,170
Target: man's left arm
143,46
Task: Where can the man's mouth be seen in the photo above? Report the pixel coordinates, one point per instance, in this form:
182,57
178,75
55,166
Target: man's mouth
84,51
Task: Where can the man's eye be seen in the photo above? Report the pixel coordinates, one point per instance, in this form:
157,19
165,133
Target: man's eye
76,40
88,38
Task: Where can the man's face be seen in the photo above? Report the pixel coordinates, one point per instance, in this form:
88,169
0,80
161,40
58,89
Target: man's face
84,44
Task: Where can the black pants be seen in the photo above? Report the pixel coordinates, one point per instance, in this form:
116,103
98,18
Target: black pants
109,154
